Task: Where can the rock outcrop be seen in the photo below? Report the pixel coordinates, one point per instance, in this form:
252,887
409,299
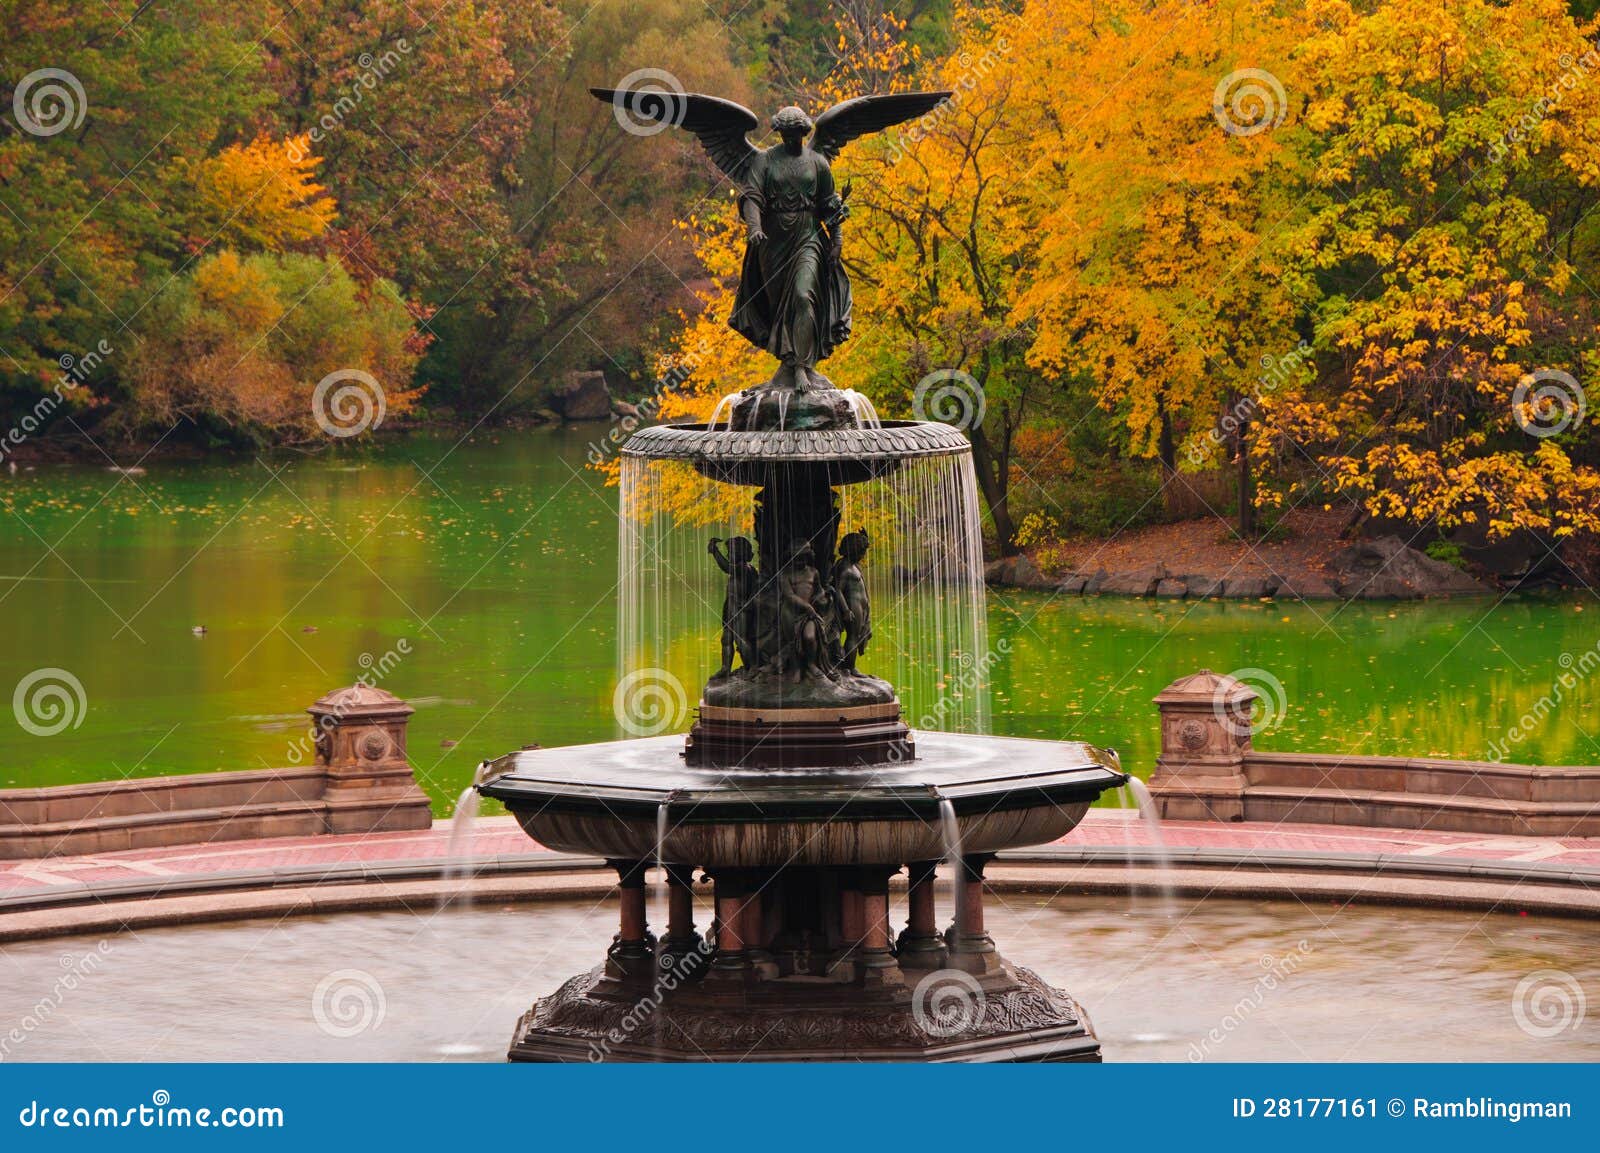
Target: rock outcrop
582,396
1381,569
1017,572
1386,568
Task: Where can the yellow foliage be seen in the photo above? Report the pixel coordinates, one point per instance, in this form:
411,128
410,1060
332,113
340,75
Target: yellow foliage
264,194
243,293
1369,261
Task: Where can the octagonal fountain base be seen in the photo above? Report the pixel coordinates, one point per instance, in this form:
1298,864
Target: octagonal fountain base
801,962
1006,1015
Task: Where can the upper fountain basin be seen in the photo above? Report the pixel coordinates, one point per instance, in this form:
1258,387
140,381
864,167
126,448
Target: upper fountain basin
607,799
742,456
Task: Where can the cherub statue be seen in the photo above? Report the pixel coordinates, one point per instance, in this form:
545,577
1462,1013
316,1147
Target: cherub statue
794,296
854,610
803,629
738,602
828,607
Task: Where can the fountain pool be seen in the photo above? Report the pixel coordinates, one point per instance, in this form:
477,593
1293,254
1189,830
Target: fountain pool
1368,984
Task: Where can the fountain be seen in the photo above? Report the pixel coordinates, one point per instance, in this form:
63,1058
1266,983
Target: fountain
801,791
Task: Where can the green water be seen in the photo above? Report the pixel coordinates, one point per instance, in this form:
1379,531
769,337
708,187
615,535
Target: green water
481,581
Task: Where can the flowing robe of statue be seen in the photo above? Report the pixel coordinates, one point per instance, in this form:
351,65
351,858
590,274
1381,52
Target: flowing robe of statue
794,295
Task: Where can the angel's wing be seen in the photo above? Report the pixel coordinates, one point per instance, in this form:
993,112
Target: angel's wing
850,119
721,125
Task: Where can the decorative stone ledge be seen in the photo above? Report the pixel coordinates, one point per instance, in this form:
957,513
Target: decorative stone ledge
360,782
1208,770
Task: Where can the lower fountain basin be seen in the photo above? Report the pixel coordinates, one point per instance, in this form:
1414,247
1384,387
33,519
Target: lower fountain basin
610,799
430,985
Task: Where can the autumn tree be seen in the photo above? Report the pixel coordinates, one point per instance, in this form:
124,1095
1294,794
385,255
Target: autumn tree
1450,148
97,203
593,210
1156,180
262,195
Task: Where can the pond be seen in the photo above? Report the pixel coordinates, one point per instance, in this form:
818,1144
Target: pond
479,582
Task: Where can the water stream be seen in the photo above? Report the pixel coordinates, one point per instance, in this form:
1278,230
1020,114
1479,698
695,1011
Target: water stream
1158,845
458,863
723,413
950,831
924,574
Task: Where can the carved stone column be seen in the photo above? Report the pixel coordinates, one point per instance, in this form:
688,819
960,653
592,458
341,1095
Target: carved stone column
633,950
876,957
969,944
733,961
681,940
920,946
1205,739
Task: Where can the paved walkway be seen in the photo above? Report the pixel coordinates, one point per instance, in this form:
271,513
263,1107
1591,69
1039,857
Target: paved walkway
500,837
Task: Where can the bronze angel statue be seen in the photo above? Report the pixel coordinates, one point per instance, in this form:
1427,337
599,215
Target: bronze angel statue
794,295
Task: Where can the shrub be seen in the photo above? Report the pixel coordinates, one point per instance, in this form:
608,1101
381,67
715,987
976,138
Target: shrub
239,344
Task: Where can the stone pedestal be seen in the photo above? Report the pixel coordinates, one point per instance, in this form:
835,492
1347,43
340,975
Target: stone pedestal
361,746
1205,737
751,738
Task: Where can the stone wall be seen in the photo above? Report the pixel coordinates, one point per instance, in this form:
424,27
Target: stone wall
1208,769
359,782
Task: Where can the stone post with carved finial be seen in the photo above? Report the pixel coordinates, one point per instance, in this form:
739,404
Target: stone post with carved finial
1205,738
361,745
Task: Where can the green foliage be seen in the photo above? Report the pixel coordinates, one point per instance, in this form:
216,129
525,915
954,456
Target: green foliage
1447,551
237,347
1096,503
594,208
97,213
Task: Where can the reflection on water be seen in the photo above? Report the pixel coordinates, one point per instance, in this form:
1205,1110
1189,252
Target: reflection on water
496,564
1221,980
